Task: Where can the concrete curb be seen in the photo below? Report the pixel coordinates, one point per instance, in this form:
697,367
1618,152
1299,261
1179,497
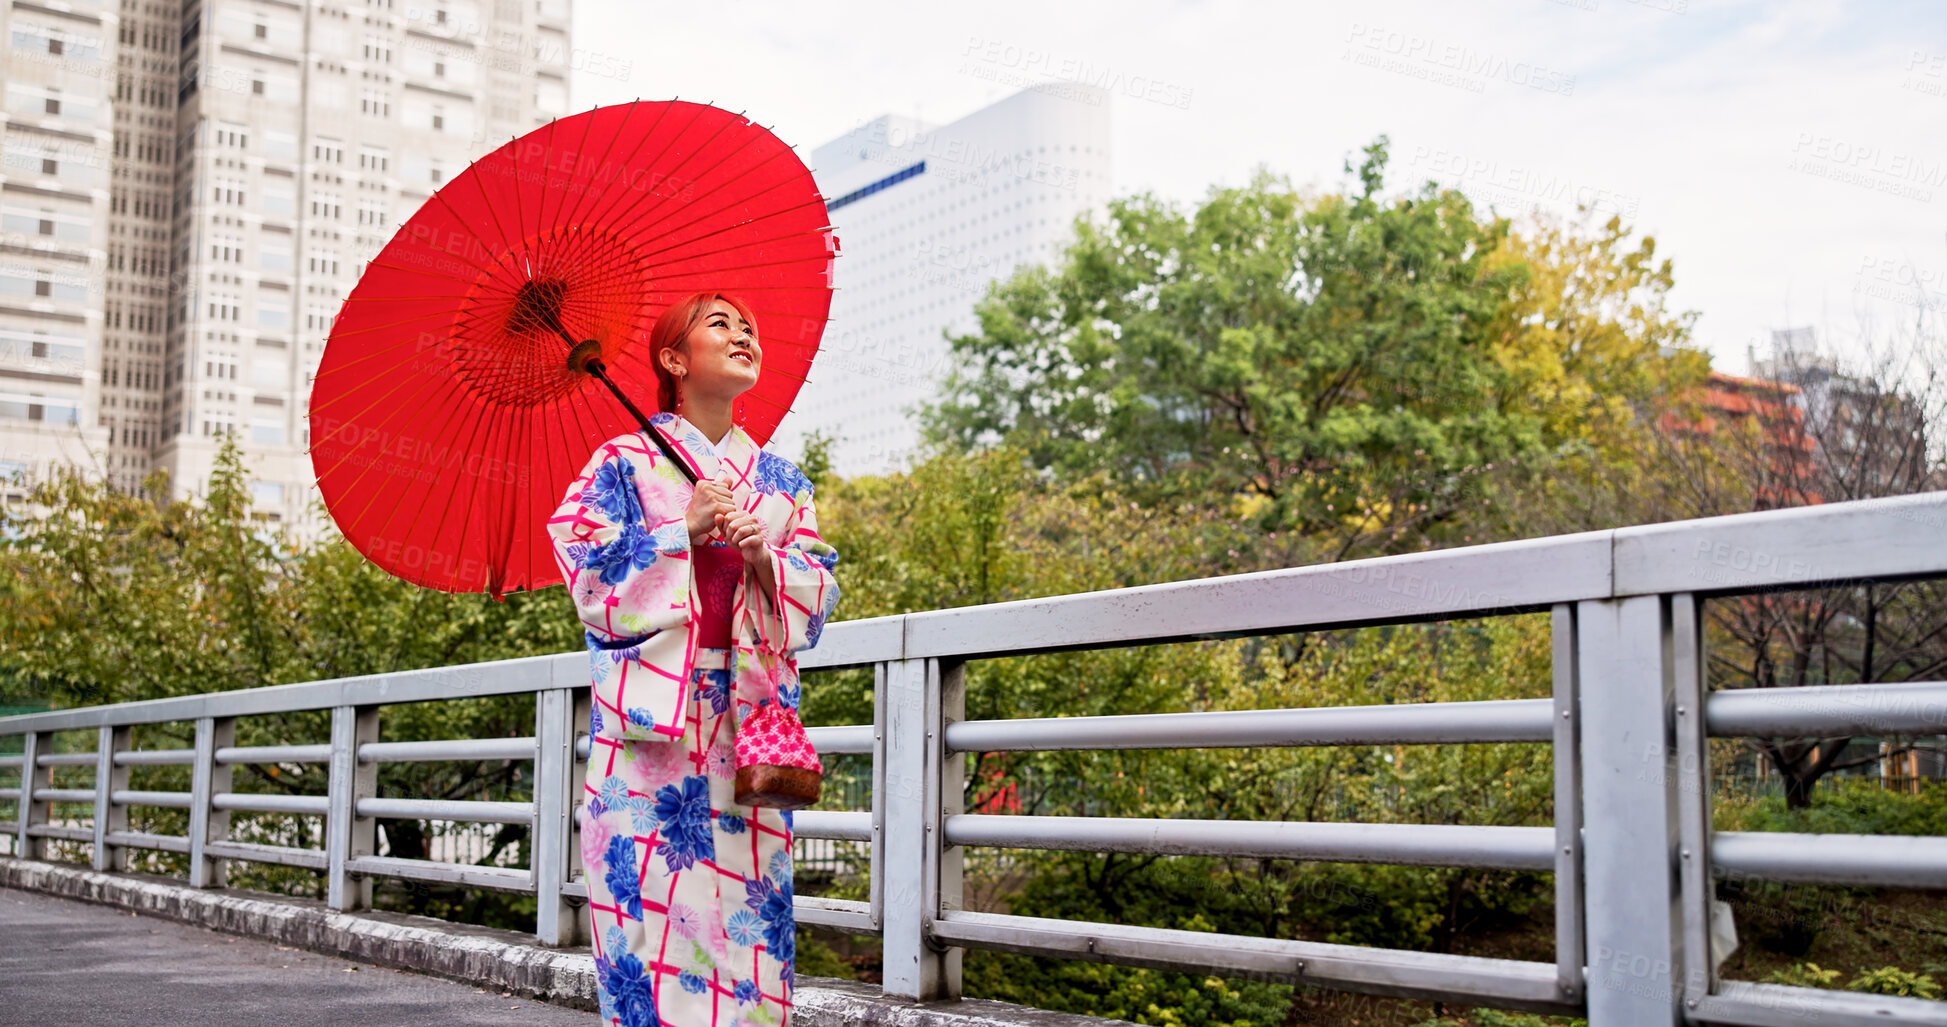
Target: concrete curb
474,955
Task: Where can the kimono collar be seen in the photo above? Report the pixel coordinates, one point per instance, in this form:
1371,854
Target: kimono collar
739,452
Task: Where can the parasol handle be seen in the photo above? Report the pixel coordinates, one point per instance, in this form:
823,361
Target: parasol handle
587,356
596,368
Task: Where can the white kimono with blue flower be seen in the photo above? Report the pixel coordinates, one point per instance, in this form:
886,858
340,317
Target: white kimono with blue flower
689,894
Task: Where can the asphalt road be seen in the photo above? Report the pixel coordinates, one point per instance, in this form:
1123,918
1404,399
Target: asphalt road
71,964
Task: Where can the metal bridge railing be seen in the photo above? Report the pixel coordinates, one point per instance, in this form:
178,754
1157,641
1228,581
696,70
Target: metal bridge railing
1632,850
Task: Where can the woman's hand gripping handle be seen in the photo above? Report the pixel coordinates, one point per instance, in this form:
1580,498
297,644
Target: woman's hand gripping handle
710,508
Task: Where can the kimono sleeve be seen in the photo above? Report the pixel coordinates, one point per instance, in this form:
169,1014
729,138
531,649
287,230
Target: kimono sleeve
624,554
806,590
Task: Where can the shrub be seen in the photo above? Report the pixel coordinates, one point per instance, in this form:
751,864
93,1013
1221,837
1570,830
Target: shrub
1891,980
1803,975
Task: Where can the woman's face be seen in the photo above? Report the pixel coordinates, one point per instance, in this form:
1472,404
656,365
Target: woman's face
720,355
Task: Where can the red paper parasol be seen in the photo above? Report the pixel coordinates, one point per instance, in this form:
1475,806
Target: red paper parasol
447,416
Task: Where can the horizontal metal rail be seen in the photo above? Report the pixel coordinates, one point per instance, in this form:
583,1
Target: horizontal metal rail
1503,720
233,754
1774,1005
1498,848
73,834
440,751
813,823
1867,860
165,800
1397,973
310,859
1919,708
154,757
64,795
846,915
853,739
146,840
65,759
463,874
15,760
9,793
472,680
458,810
311,805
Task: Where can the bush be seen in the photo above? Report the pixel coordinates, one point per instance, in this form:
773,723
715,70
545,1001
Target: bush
1803,975
1891,980
1858,806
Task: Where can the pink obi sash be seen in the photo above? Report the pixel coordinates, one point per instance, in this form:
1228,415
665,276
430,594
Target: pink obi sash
717,571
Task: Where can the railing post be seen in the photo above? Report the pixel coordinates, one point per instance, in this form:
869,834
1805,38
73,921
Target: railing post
921,879
579,740
1631,907
348,835
555,922
1571,955
33,777
206,779
946,795
876,867
1693,797
109,779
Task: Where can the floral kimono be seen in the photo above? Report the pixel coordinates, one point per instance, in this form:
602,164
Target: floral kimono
689,893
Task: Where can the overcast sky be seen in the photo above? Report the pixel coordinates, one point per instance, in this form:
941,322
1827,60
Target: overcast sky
1789,155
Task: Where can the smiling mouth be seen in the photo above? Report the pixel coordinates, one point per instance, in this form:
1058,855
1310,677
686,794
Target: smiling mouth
745,357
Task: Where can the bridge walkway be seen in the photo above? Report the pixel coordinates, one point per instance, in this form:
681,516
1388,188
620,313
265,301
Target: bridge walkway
86,965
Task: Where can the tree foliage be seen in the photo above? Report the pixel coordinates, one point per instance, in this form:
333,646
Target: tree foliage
1345,363
119,598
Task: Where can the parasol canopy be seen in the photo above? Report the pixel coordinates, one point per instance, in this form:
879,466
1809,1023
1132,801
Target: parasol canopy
447,415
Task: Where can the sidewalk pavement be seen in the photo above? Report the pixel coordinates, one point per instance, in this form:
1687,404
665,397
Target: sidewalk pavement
73,964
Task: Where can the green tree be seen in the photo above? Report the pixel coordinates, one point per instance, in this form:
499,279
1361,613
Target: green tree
120,598
1343,366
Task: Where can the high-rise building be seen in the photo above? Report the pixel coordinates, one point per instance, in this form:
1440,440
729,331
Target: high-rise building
262,151
929,216
54,212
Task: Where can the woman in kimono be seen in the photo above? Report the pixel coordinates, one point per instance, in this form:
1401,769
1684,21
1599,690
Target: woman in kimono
695,599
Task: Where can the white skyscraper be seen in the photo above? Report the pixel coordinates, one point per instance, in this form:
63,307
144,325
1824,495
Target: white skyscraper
262,152
54,204
928,217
